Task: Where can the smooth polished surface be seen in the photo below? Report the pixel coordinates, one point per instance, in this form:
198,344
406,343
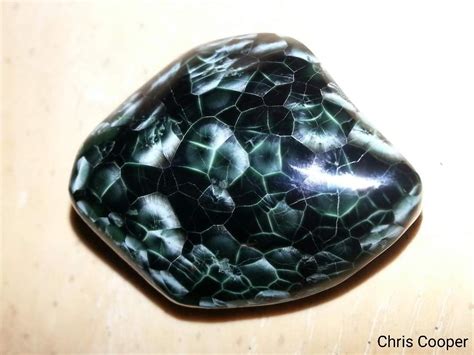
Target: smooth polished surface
241,175
66,65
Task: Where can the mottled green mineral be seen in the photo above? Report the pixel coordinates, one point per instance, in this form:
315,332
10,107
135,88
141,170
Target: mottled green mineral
241,175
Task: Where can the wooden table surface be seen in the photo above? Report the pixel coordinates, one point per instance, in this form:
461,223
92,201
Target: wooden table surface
66,65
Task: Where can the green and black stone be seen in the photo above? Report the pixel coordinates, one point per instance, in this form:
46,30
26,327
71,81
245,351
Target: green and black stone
241,175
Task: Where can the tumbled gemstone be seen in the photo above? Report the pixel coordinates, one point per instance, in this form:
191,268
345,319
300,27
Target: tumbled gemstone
241,175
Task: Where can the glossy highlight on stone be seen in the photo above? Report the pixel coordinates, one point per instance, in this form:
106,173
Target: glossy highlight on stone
241,175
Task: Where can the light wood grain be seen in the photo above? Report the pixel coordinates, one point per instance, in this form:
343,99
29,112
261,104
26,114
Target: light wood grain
66,65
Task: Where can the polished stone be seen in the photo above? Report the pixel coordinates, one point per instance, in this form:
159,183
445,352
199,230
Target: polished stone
241,175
